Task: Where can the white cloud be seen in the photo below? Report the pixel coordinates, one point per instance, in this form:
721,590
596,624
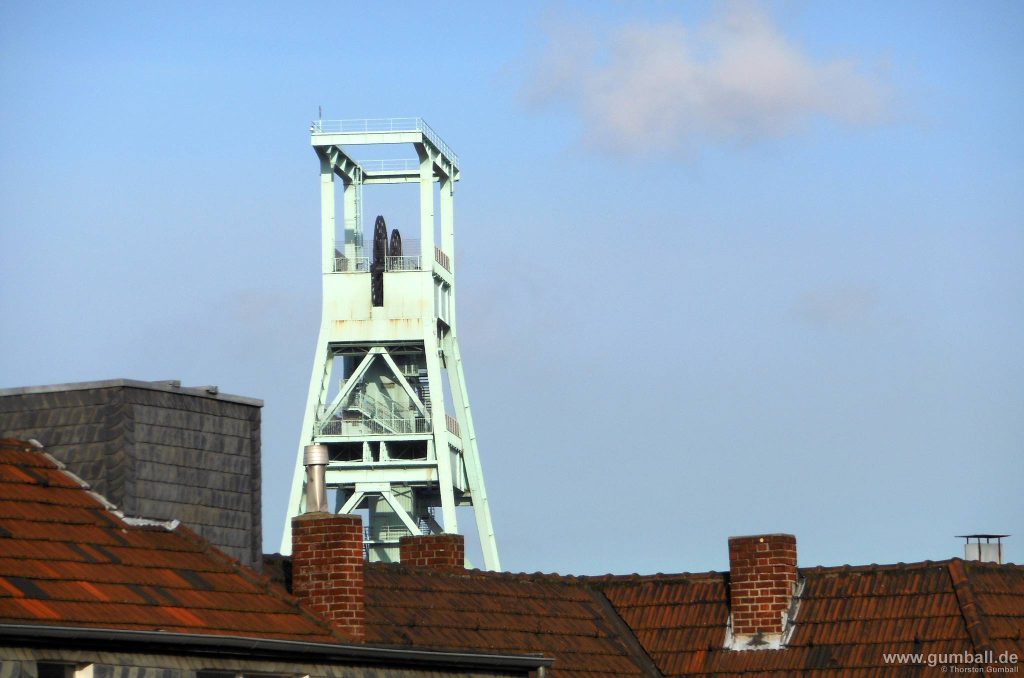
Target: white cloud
735,78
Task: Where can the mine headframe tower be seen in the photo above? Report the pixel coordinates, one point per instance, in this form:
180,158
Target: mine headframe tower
377,416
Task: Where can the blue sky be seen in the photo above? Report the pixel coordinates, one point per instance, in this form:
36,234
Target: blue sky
724,268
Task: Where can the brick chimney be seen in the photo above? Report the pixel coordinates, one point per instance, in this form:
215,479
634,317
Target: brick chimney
327,569
442,551
327,557
762,578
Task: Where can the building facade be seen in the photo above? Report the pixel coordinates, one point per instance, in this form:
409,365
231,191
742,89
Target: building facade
155,449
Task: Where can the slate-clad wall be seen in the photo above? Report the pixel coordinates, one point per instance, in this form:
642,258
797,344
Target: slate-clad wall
92,422
155,451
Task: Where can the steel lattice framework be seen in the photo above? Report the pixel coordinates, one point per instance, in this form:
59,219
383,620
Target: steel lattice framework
387,395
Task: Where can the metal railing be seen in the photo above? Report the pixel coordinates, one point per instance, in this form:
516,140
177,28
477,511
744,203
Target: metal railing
362,264
367,425
331,427
452,424
384,125
387,534
351,264
357,125
380,413
381,407
396,425
442,258
376,415
396,165
402,263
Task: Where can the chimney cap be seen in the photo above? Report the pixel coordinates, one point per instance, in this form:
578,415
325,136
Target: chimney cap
982,536
315,454
763,536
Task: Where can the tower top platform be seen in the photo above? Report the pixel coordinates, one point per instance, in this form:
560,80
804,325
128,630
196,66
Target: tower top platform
375,131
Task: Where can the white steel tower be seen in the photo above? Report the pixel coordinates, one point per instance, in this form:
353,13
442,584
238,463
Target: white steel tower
394,444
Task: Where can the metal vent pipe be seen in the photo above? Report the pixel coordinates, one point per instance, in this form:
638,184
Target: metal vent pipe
315,458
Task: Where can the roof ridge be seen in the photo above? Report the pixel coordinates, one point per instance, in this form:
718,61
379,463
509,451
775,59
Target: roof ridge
605,580
33,447
624,633
548,578
660,577
988,565
970,608
874,567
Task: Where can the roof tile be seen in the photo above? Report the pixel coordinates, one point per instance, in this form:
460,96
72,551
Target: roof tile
66,557
497,612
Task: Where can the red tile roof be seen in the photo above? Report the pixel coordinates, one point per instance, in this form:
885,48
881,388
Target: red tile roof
501,612
992,599
66,558
675,625
847,619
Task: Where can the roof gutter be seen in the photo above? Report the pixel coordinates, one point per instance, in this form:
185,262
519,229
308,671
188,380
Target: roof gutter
260,648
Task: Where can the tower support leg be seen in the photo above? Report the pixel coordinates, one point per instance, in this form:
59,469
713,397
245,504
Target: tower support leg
474,471
319,382
440,446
